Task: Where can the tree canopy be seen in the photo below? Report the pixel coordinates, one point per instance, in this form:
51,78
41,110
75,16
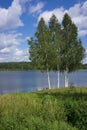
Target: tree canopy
73,51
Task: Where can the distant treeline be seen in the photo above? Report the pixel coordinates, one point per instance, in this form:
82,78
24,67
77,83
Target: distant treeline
84,66
23,66
16,66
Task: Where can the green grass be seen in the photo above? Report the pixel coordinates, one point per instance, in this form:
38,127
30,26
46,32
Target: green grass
55,109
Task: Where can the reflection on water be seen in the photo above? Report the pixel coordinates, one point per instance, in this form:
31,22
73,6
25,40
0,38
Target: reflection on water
31,81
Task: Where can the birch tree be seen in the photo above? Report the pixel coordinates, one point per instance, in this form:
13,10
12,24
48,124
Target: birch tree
73,52
56,41
41,53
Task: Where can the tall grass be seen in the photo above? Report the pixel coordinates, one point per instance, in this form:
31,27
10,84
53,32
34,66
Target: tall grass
56,109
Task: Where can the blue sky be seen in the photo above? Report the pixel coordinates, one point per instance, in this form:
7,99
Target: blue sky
19,19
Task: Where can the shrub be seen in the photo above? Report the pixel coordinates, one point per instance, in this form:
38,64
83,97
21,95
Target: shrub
77,114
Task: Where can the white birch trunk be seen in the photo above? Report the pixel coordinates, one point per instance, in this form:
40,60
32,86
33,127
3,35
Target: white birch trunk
66,79
48,76
58,79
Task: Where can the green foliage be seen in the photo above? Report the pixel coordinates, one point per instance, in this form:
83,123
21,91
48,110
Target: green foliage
56,109
55,46
77,114
56,41
73,52
41,52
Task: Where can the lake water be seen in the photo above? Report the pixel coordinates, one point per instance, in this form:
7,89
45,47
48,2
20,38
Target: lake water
30,81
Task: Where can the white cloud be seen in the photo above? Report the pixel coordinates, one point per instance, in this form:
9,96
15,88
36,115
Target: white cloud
83,32
10,18
14,54
9,48
78,13
75,10
8,40
84,8
5,50
20,55
59,12
36,8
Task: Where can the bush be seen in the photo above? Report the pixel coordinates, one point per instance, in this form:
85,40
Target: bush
76,113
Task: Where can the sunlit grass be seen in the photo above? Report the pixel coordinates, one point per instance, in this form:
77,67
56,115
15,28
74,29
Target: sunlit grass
45,110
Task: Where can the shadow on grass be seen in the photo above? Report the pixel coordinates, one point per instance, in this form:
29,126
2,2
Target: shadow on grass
71,93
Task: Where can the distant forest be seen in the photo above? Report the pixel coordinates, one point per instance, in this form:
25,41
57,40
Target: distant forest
23,66
16,66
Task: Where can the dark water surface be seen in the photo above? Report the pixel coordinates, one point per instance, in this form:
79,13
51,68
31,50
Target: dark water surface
30,81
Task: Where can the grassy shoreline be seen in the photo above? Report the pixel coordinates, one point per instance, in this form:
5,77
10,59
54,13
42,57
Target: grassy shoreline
55,109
